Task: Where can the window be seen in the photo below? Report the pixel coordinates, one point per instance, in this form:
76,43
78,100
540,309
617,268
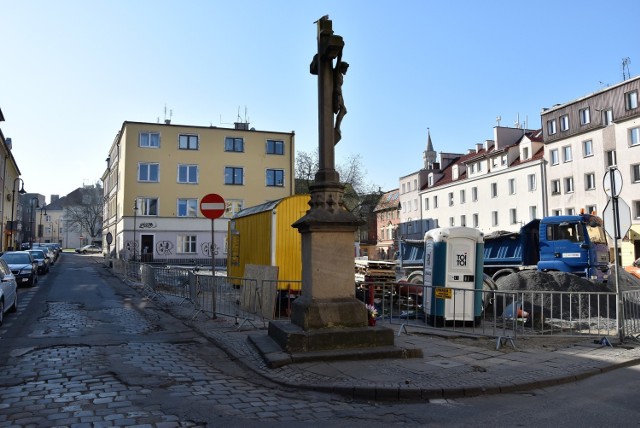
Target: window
426,204
450,199
631,100
415,205
551,127
463,196
555,157
585,116
564,122
525,153
472,168
513,215
607,117
188,174
611,157
587,148
149,172
452,221
504,160
187,207
590,181
435,202
565,231
635,173
147,206
494,190
149,139
636,209
556,212
634,136
234,144
571,211
275,177
415,184
275,147
188,142
403,188
233,175
512,186
476,220
494,218
531,182
463,220
474,194
187,244
533,212
555,187
233,206
566,154
429,182
591,209
568,185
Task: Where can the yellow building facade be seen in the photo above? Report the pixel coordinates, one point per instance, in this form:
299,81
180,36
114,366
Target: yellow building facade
157,174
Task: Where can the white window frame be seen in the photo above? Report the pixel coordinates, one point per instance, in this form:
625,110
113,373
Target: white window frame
590,181
585,116
512,186
533,212
187,207
494,218
450,199
607,117
567,155
474,194
463,196
587,148
476,220
186,244
556,188
554,156
634,136
635,173
233,206
532,182
631,100
494,190
149,167
552,127
190,172
564,122
149,140
147,207
568,185
513,214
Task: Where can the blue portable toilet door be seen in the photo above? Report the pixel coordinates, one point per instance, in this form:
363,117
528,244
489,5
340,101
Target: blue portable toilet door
461,269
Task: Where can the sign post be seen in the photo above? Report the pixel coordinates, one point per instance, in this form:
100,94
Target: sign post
212,206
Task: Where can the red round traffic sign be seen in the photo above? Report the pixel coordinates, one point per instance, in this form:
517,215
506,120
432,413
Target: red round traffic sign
212,206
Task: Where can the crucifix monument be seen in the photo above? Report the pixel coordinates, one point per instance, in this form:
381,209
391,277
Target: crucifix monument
327,315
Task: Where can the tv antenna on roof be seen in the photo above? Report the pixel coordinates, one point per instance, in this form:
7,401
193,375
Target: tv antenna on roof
625,68
167,121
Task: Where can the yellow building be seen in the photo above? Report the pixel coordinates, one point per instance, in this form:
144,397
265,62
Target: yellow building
157,173
263,235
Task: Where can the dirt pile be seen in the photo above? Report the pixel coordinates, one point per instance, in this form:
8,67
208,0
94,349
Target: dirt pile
589,299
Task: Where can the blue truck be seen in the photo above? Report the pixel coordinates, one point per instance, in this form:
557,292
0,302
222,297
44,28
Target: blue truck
574,243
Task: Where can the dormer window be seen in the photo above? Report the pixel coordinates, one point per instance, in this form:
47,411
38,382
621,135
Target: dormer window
455,172
525,153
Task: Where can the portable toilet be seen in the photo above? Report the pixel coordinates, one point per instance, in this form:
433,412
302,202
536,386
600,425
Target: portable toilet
453,263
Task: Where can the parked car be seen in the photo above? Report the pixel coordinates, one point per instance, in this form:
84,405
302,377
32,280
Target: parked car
8,291
89,249
634,269
23,267
47,252
44,264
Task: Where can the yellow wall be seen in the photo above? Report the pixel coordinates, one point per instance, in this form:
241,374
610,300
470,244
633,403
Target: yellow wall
255,239
211,159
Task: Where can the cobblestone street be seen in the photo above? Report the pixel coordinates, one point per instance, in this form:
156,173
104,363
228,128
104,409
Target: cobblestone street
102,357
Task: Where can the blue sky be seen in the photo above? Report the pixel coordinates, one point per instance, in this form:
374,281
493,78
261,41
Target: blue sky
73,71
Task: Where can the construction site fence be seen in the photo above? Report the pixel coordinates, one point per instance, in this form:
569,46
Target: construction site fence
250,302
503,313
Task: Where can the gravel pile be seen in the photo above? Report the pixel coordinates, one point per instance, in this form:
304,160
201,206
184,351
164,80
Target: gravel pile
565,306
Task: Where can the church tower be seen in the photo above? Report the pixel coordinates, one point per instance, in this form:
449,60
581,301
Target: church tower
429,156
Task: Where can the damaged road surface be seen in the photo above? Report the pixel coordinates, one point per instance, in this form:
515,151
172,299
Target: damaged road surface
86,349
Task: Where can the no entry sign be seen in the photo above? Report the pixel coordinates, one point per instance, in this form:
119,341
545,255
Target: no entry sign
212,206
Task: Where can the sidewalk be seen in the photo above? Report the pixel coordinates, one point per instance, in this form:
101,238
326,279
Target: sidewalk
453,365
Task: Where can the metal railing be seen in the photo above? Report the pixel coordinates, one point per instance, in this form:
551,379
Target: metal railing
494,313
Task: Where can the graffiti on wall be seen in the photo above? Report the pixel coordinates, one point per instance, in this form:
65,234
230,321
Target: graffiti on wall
131,247
164,248
209,250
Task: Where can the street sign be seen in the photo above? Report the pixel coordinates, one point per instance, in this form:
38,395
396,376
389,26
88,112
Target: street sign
443,293
212,206
624,218
612,182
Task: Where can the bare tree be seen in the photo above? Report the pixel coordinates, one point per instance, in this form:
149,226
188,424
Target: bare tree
84,211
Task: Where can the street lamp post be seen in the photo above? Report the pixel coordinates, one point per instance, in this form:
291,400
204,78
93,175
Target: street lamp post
13,206
40,226
135,215
32,218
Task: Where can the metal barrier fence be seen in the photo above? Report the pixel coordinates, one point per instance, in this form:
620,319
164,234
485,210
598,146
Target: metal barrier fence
497,313
504,314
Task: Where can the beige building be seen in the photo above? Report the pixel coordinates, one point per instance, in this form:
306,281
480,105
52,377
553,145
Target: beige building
11,187
157,174
583,138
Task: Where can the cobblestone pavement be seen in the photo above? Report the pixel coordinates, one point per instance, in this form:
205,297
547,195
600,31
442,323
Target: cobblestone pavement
118,365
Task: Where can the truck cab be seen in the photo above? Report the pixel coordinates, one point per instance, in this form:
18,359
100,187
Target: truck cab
575,244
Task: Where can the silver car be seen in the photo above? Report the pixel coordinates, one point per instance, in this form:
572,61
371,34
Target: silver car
8,291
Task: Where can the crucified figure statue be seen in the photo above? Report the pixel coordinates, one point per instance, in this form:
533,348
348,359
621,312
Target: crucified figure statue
339,109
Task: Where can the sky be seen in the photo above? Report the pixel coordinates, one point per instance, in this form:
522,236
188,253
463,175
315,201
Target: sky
74,70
